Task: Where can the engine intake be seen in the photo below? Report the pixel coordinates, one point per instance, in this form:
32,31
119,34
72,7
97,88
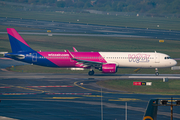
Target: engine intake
109,68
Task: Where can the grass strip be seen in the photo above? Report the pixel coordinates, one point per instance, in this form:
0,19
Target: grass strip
158,86
98,19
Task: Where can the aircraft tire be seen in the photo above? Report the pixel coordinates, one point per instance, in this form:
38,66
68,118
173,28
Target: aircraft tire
90,73
157,74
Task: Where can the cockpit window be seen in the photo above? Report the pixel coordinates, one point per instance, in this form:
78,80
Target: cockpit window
167,57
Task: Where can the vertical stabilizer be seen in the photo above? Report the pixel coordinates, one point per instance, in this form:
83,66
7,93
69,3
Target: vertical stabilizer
17,42
151,110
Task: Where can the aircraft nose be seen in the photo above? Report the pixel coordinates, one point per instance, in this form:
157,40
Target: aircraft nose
173,62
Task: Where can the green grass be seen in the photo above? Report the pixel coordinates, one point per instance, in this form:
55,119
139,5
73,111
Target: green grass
86,18
158,86
4,44
3,28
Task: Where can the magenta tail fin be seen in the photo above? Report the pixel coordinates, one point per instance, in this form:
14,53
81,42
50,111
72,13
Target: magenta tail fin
17,42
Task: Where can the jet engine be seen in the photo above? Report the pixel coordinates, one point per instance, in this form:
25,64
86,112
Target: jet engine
109,68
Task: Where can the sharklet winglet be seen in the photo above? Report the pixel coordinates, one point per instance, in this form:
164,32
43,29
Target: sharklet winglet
75,49
71,56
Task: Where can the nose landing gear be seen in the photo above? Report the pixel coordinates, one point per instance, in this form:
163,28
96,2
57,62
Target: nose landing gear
156,72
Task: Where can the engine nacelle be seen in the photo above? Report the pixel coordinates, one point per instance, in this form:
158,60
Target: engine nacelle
109,68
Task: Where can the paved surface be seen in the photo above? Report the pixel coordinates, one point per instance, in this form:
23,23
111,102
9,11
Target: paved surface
27,96
72,29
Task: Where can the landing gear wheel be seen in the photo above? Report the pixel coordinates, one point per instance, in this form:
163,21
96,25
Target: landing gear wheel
156,73
91,72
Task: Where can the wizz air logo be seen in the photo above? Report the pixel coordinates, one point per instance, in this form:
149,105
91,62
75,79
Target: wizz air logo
138,58
64,55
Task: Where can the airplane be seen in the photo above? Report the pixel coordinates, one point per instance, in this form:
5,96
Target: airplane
107,62
151,110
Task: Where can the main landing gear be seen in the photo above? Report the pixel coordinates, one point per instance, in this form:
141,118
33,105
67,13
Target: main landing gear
156,72
91,72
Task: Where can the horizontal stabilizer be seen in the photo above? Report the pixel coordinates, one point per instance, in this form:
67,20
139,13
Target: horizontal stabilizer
3,53
19,56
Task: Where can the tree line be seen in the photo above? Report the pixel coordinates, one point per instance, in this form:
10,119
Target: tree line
138,6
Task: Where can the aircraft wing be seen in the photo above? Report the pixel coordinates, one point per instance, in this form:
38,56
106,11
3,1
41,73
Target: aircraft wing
85,62
3,53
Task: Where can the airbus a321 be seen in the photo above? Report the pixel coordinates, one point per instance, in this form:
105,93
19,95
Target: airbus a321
107,62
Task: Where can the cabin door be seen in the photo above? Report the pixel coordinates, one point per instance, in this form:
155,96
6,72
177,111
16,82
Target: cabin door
157,58
34,57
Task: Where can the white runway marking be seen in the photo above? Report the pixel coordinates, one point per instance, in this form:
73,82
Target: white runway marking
6,118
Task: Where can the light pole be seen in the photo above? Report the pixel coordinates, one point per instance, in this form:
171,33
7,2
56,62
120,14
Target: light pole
172,103
101,106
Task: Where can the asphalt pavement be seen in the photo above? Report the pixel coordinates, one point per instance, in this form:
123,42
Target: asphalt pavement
40,96
27,96
75,29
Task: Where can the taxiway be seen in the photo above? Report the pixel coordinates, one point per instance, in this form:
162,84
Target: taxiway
61,96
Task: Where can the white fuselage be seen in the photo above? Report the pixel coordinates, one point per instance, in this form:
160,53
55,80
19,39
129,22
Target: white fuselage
139,59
